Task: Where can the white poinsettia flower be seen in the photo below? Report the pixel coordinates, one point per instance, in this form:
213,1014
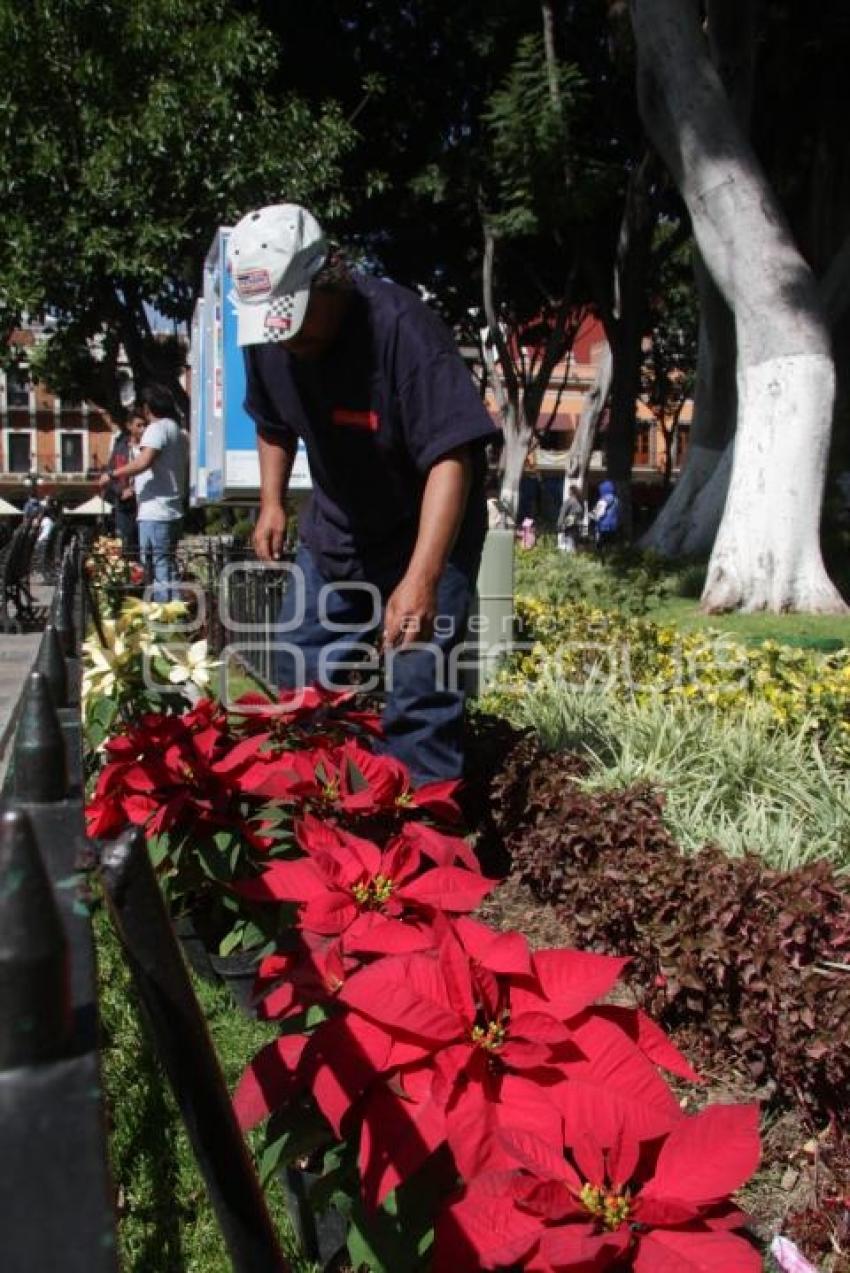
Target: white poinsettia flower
193,666
148,644
171,611
137,610
100,676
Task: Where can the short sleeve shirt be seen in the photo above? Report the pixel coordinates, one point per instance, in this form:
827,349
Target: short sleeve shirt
389,399
161,490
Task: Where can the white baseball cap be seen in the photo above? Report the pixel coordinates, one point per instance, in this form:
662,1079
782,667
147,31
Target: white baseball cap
272,257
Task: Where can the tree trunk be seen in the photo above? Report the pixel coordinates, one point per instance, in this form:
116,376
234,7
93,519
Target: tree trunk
689,520
577,462
835,285
627,327
514,456
148,362
685,519
785,371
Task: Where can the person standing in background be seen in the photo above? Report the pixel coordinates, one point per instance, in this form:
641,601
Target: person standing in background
120,493
570,520
161,473
606,515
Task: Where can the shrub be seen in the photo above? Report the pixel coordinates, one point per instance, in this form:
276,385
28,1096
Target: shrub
578,643
420,1051
744,955
627,580
736,780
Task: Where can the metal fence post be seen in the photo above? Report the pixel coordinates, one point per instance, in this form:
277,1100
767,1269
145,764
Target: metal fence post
35,1005
39,758
50,661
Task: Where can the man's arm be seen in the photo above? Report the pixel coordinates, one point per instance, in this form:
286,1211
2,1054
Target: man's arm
412,607
143,461
277,455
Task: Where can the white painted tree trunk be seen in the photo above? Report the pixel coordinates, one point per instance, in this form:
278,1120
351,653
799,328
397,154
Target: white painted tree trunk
516,439
767,552
688,523
774,563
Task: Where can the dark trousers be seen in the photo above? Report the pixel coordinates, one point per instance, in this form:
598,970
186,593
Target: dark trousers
327,629
126,527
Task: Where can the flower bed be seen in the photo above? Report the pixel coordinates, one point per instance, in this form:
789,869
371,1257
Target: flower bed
638,658
465,1102
745,966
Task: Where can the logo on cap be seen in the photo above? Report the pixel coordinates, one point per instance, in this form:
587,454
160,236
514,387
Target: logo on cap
253,283
279,318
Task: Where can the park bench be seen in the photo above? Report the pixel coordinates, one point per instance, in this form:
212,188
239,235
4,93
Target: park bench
15,592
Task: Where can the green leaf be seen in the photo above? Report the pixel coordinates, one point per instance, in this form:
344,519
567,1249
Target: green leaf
334,1189
232,940
158,849
372,1245
294,1135
106,712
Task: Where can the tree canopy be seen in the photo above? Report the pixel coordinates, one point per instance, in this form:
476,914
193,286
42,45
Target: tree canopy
131,129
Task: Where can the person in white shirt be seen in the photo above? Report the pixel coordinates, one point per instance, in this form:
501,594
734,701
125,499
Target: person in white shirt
46,523
160,472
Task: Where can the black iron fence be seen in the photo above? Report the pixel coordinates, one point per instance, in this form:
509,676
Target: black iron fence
56,1196
243,598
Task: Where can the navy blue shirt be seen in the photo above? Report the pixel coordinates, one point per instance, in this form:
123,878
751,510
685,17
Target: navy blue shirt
376,411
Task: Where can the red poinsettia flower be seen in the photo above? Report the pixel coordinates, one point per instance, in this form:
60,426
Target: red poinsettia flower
105,817
309,777
655,1207
270,1079
289,982
291,707
299,716
351,889
164,774
371,784
442,849
346,778
513,1046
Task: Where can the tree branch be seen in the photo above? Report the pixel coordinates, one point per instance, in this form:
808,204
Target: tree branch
495,335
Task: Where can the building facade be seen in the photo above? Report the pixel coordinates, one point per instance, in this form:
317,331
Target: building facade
562,408
48,446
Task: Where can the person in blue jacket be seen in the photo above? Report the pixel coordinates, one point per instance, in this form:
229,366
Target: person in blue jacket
371,381
606,515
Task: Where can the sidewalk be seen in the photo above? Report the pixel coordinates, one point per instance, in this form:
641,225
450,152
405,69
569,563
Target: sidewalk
17,655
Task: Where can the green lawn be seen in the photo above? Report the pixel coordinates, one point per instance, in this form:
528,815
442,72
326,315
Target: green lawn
667,593
823,631
166,1223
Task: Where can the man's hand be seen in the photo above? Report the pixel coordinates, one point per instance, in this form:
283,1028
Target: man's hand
410,612
270,532
103,481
